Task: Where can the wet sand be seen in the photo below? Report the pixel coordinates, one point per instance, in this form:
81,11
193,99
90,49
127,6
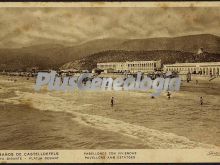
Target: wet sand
84,120
23,127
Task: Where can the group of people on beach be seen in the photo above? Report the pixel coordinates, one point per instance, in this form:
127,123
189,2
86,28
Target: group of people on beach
168,96
112,102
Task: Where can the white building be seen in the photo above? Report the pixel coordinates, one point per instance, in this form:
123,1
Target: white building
205,68
131,66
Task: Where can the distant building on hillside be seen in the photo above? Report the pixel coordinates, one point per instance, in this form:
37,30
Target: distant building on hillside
200,51
205,68
131,66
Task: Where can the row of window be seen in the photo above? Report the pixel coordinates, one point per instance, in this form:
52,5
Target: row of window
142,65
170,69
129,65
201,70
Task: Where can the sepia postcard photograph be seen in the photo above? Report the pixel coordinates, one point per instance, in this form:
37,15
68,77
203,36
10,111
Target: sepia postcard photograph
95,82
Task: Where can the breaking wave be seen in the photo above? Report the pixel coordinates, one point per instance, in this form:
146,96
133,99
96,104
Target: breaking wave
153,138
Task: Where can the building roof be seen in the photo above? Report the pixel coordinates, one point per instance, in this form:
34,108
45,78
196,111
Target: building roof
193,64
126,62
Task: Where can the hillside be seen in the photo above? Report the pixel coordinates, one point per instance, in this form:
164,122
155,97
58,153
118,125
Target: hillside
191,43
43,56
53,55
166,56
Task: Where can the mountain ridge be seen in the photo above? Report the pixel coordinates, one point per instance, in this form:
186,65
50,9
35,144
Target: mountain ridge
166,57
53,56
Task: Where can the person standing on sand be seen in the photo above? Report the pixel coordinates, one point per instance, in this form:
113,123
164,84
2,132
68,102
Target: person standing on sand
112,101
201,101
168,95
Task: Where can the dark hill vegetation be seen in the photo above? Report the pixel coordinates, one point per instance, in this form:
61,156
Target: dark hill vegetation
53,55
166,56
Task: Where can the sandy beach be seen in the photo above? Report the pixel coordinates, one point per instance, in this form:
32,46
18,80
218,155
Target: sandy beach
86,120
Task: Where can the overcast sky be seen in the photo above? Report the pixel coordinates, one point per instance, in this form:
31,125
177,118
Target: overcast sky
22,26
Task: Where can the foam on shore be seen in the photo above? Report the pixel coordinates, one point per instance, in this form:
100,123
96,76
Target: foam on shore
153,138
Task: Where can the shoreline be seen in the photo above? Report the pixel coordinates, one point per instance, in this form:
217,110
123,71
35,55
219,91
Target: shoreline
188,122
53,130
